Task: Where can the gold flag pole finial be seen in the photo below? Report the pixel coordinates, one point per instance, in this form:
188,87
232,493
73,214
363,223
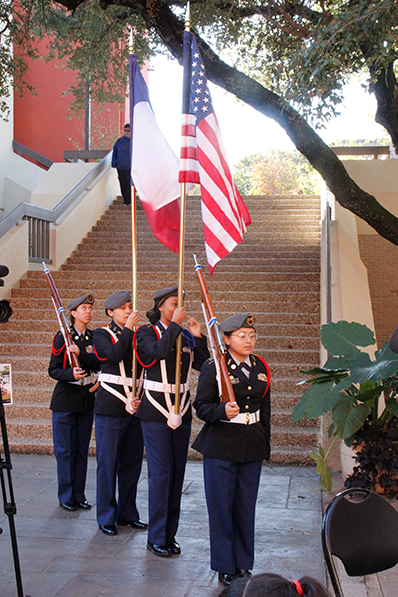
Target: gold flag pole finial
188,17
131,41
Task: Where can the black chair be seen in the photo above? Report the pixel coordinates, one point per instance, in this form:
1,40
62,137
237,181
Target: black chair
361,529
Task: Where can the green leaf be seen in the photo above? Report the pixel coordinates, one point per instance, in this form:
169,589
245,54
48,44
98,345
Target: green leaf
316,401
340,363
348,418
342,338
370,395
385,365
322,468
392,406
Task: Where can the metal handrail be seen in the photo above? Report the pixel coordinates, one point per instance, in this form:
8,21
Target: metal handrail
73,155
34,155
53,215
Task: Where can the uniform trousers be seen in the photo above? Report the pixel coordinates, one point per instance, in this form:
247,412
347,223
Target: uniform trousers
125,185
71,438
119,449
166,453
231,492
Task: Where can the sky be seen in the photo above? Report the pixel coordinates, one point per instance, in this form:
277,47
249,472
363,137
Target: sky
243,129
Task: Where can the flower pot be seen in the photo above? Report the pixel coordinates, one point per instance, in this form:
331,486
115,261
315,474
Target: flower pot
347,460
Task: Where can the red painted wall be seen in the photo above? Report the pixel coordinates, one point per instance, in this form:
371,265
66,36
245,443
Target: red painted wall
41,121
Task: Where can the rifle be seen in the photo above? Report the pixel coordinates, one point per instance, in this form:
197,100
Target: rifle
224,383
63,322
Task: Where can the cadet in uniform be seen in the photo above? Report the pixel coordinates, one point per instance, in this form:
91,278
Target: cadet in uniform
166,445
234,441
118,433
72,405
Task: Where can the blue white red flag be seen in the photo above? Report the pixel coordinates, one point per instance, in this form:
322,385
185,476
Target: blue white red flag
203,160
154,165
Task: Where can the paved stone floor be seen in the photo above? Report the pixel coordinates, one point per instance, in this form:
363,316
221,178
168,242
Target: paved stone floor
65,554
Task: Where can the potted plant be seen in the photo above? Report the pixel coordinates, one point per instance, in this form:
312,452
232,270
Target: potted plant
361,395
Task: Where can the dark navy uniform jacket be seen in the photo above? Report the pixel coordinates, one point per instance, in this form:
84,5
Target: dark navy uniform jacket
69,397
235,442
152,350
110,354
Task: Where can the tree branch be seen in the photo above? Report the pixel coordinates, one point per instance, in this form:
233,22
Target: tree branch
158,15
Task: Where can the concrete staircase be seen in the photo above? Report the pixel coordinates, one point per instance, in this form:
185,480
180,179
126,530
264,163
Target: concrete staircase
274,272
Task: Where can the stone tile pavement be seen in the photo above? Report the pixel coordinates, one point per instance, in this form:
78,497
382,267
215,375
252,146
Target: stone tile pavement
64,554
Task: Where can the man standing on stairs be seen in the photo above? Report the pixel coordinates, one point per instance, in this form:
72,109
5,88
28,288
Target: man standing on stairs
118,432
72,405
121,160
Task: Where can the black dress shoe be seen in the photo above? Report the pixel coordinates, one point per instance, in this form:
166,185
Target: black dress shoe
135,524
243,573
85,505
159,550
225,578
69,506
173,547
108,529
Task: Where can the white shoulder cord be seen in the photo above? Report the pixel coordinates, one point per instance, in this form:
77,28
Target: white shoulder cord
184,405
128,391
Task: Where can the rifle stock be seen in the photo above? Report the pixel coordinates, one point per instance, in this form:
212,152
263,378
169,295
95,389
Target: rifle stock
63,322
224,383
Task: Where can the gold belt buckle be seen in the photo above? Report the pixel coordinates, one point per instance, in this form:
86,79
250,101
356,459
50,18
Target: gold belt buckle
247,418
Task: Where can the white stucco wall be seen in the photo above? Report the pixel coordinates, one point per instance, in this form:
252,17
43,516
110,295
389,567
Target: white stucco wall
66,236
14,253
379,178
21,177
6,136
58,181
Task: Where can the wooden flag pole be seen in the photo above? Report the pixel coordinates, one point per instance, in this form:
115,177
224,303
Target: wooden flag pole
180,274
133,251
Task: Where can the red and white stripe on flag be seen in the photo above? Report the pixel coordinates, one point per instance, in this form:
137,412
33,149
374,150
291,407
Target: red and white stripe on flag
224,213
189,165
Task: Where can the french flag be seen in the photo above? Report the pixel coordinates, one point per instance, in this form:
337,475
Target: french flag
154,166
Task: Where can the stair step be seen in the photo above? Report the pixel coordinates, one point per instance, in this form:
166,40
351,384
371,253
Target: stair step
275,273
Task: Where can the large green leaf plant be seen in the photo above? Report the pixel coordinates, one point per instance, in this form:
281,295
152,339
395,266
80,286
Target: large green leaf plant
349,387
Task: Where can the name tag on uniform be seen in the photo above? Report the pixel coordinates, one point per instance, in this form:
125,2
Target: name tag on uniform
262,377
234,381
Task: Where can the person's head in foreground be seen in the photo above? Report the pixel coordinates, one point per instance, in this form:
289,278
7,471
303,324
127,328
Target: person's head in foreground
273,585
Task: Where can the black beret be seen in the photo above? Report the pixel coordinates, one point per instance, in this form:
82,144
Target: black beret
86,299
235,322
117,299
162,295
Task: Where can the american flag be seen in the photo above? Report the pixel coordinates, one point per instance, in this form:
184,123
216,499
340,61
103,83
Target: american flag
203,160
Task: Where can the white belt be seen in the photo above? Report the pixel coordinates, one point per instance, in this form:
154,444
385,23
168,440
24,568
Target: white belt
116,379
158,386
245,418
82,382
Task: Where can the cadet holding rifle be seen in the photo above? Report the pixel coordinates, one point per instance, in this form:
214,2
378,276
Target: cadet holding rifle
234,441
72,364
